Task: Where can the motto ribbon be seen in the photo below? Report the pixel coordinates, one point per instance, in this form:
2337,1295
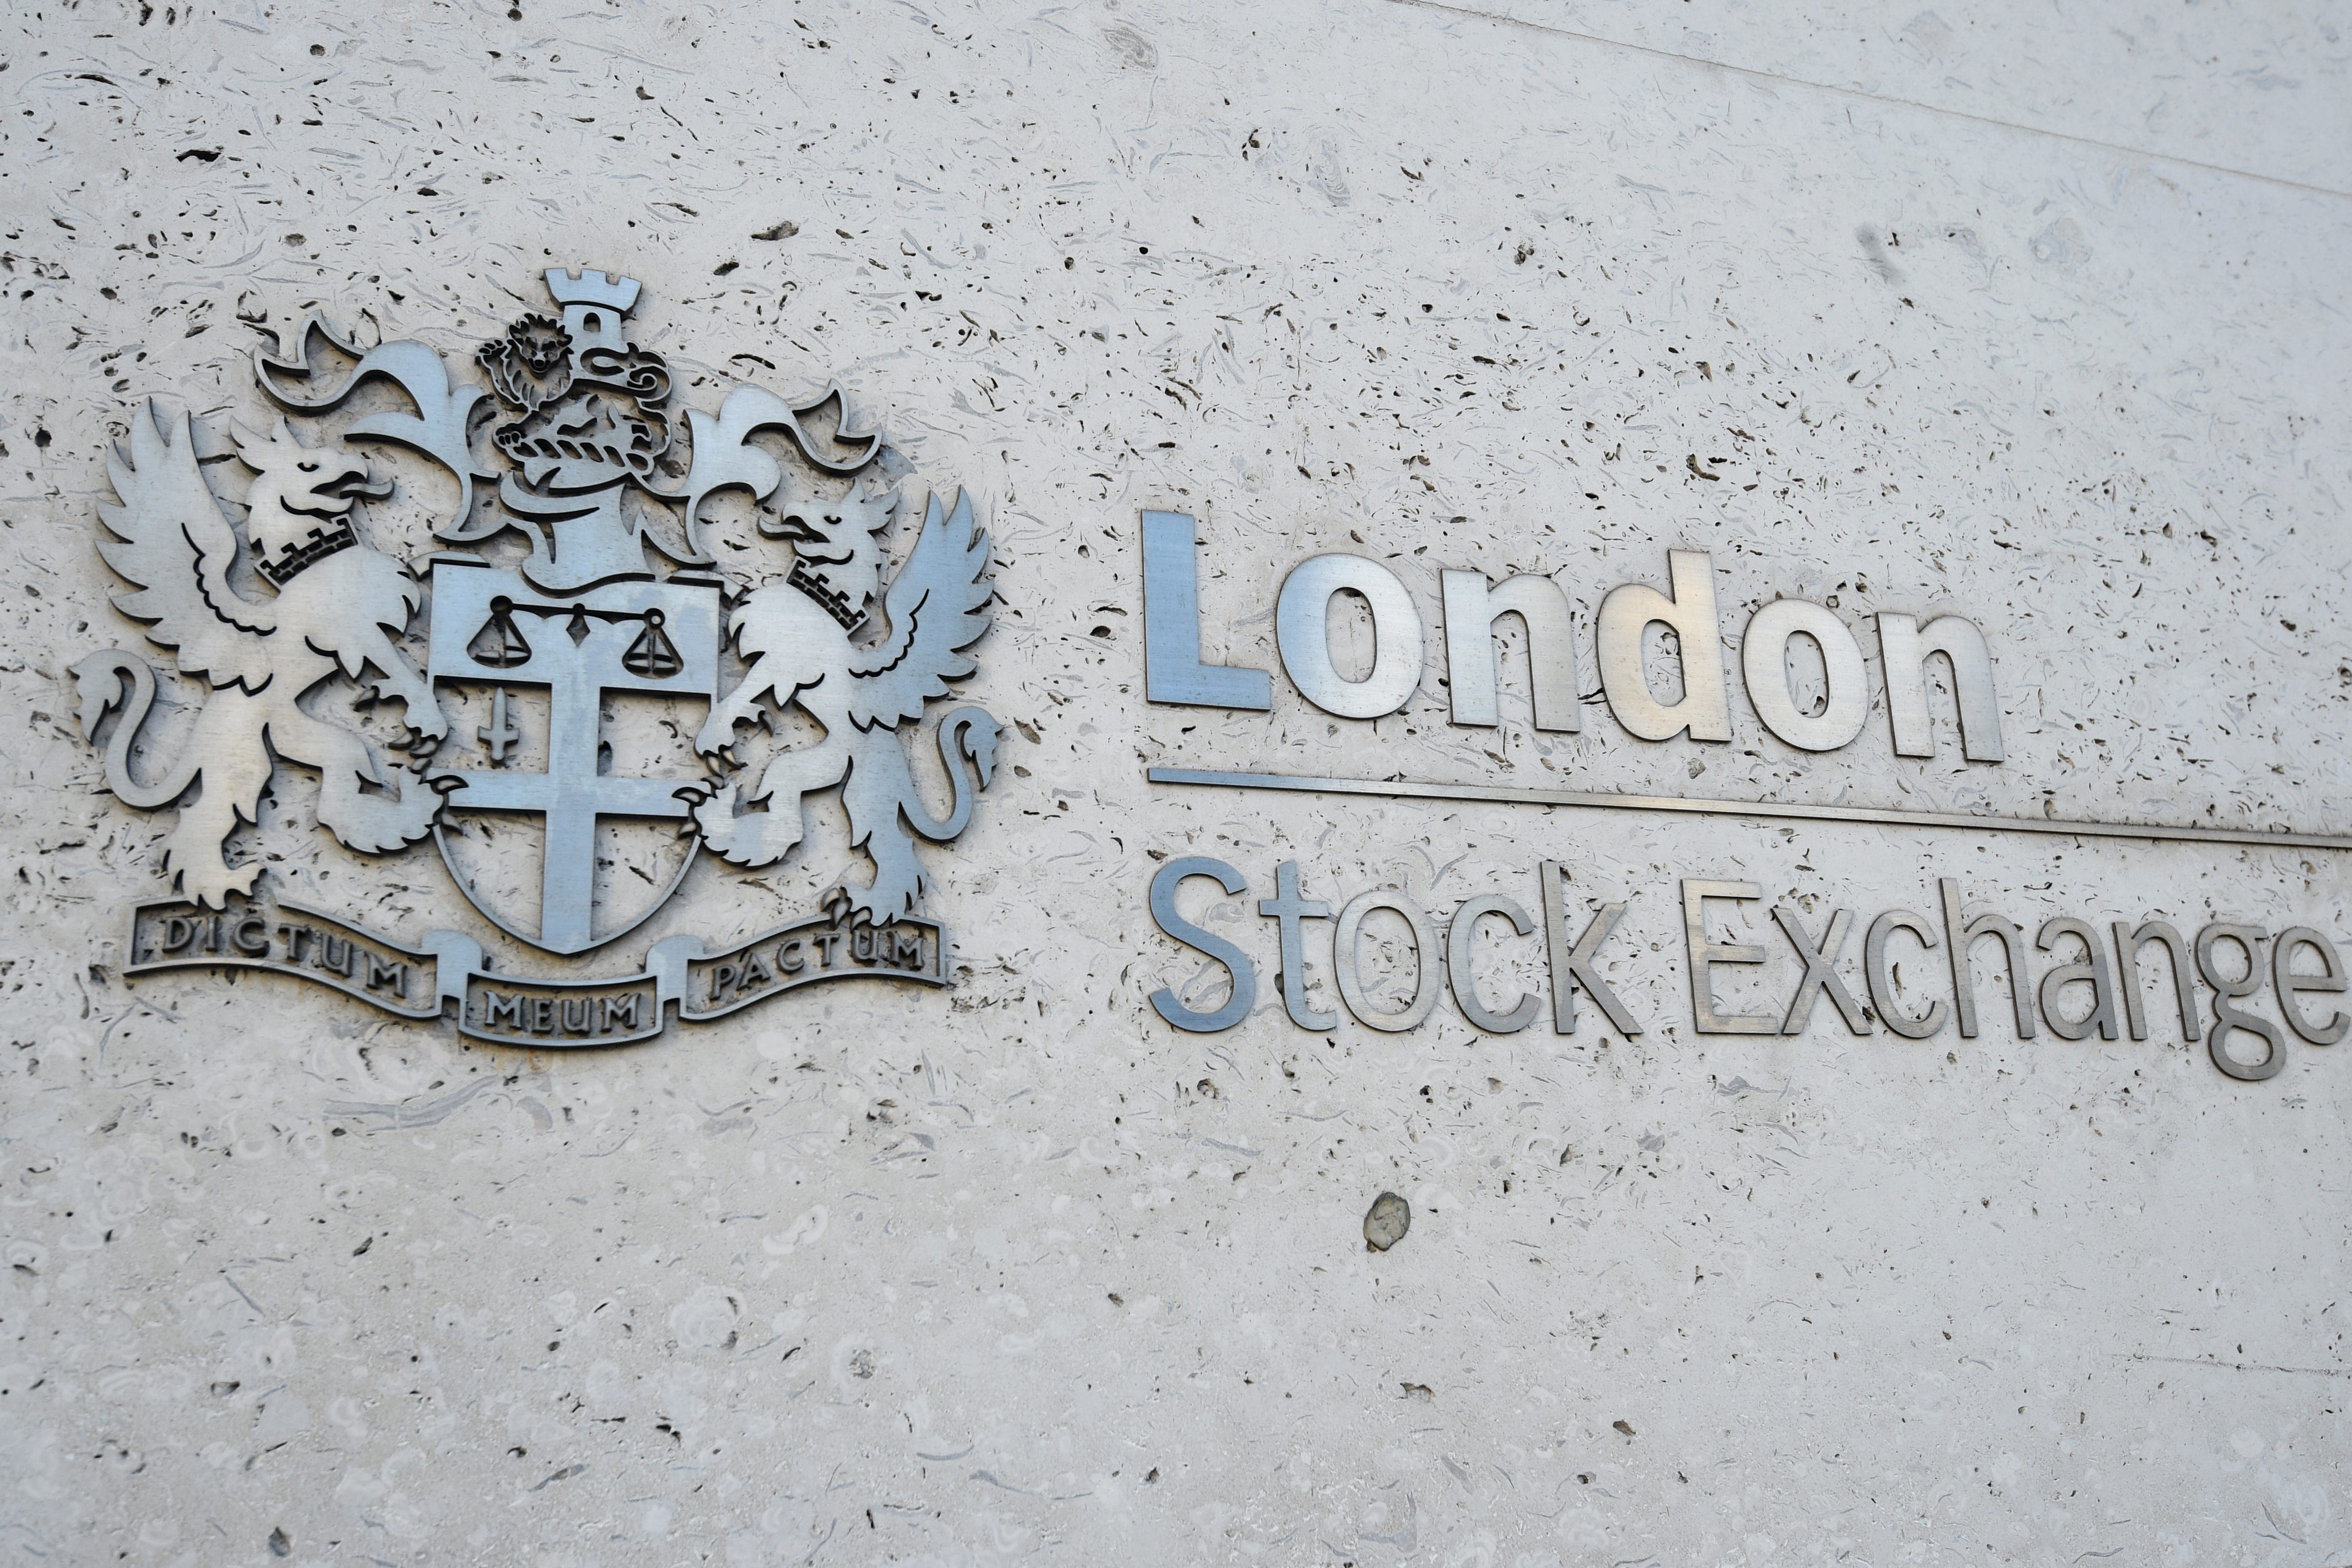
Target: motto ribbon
286,938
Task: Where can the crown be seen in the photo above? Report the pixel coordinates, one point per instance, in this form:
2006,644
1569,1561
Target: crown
586,286
302,554
831,597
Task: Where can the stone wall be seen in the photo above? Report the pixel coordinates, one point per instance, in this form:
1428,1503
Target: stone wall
2038,320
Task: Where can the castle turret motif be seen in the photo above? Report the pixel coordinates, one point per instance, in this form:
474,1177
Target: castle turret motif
587,422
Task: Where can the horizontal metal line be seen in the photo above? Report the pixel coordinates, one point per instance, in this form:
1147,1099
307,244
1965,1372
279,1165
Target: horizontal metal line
1304,783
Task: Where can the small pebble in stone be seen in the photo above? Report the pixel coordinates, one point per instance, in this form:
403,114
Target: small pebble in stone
1386,1222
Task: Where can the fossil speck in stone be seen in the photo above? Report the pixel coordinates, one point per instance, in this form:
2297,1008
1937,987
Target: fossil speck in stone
1386,1222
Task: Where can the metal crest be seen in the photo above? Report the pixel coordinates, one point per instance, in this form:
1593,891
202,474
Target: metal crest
576,591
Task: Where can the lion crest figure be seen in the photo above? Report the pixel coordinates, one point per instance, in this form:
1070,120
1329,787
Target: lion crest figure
329,604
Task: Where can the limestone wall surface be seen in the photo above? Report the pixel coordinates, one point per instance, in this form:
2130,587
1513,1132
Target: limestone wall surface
2032,318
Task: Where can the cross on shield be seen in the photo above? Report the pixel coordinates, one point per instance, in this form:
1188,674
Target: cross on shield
491,629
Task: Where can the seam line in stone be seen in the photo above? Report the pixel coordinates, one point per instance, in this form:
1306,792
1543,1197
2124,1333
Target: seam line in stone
1867,95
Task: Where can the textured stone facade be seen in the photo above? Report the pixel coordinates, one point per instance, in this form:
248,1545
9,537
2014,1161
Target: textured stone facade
2037,321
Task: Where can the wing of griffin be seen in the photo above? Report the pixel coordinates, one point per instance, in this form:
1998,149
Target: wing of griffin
937,606
172,542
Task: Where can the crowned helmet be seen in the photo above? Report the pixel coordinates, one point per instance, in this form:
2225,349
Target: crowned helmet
588,403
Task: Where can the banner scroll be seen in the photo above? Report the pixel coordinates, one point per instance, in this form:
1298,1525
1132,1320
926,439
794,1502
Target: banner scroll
286,938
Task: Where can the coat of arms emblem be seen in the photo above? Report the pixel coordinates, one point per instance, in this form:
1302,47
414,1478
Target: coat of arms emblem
576,581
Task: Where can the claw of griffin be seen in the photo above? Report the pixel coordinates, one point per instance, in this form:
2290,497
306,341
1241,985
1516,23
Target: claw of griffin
694,794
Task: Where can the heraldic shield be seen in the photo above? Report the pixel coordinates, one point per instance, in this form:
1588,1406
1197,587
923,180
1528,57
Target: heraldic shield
593,676
580,650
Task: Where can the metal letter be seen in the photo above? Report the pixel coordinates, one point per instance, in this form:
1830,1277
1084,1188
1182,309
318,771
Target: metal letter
2330,980
2128,945
1471,608
1426,984
2102,1016
2227,1017
1172,670
1704,954
1626,615
1881,974
1242,994
1302,634
1819,976
1288,909
1764,663
1964,988
1460,937
381,974
1571,967
1904,647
